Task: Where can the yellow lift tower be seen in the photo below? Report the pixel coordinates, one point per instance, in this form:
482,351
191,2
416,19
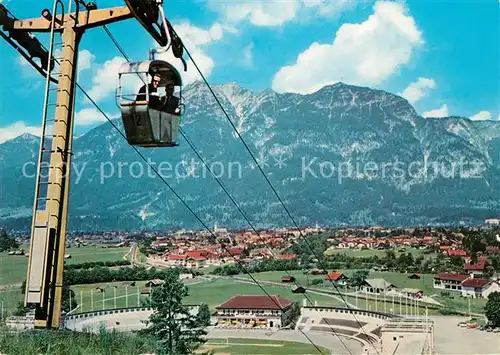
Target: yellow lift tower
50,210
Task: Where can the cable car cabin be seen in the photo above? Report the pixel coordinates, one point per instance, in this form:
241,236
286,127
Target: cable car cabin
151,114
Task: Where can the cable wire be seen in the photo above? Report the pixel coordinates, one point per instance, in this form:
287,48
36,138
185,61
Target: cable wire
274,190
195,215
122,51
255,230
185,204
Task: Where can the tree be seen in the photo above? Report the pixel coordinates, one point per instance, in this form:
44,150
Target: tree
294,313
358,278
175,329
6,242
204,315
492,309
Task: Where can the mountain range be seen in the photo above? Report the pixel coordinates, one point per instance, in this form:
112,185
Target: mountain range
344,155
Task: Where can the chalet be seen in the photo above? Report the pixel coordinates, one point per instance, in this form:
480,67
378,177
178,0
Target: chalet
376,286
337,278
253,311
288,279
448,281
474,287
476,269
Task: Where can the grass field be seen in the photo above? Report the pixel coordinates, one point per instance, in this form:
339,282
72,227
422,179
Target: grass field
13,268
212,293
400,280
237,346
217,291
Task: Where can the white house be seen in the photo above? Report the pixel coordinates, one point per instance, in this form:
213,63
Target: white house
493,286
451,282
376,286
474,287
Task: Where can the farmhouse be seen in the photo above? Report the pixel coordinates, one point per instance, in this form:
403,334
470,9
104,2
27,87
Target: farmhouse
288,279
337,278
449,281
253,311
473,287
376,286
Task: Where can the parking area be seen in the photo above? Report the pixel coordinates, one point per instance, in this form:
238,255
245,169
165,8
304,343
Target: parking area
451,339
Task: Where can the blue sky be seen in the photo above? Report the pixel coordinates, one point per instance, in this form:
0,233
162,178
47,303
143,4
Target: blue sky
443,56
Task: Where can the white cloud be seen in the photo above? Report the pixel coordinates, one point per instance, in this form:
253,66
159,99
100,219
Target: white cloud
105,80
364,54
481,116
85,61
195,39
16,129
418,89
89,116
439,112
247,58
271,13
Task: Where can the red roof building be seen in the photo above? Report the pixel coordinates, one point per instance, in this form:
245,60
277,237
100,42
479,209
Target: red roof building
491,249
287,256
288,279
459,252
253,311
475,283
336,277
451,277
478,267
448,281
256,302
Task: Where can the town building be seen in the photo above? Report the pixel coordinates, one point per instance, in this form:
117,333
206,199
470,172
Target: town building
376,286
288,279
337,278
448,281
492,221
253,311
474,287
476,269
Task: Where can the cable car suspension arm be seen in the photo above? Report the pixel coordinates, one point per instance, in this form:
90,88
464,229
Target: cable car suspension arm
27,45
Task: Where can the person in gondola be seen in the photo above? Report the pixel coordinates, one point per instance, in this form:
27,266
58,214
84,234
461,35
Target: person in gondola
172,102
154,99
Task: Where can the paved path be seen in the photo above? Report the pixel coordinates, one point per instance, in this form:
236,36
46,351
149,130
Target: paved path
453,340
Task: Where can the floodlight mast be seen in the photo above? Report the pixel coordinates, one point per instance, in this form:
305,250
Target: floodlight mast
49,223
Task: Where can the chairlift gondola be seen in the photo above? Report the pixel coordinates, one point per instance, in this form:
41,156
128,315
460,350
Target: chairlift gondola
150,118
